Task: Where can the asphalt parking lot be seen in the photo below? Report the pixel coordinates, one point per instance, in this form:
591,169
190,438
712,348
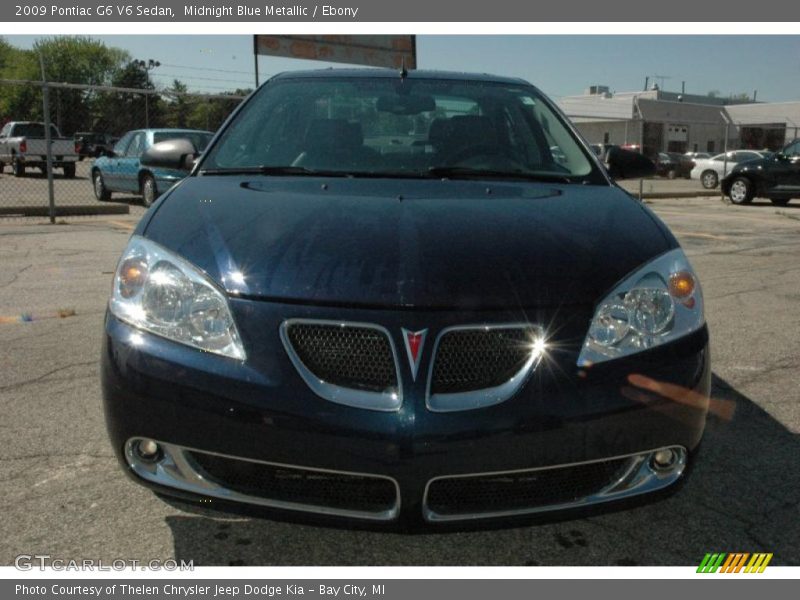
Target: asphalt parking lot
31,190
63,494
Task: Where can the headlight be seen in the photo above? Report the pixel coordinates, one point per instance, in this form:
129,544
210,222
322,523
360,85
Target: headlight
162,293
657,304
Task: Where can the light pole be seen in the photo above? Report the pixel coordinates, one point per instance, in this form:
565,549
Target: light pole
147,66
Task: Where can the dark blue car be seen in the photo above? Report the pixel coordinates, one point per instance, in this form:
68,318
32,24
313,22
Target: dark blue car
120,170
403,297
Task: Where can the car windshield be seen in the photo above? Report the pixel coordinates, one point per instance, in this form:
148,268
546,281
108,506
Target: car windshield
400,127
200,139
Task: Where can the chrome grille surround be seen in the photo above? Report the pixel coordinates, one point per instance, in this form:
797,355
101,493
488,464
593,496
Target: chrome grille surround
484,396
176,469
388,399
638,477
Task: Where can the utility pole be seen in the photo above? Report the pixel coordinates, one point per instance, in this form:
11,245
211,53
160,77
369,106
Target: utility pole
725,160
255,57
148,66
48,141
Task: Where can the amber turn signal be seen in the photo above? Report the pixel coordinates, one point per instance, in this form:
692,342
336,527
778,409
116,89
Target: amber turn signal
681,284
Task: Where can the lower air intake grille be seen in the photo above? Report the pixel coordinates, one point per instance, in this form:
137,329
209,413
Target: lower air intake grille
341,491
479,358
348,356
521,491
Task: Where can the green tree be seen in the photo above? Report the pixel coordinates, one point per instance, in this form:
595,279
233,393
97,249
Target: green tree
119,112
210,112
20,102
741,97
66,59
77,59
178,106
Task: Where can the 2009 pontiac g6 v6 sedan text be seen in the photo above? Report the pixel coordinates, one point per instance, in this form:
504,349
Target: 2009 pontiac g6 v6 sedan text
411,297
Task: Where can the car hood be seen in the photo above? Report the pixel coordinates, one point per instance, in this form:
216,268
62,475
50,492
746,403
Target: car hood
411,243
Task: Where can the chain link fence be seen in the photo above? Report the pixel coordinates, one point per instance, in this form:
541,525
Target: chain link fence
691,156
89,133
706,137
91,128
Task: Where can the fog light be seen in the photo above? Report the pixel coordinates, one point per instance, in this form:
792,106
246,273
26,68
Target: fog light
664,459
148,449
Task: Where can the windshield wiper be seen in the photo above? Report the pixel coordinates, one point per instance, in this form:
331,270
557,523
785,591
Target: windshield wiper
276,170
472,173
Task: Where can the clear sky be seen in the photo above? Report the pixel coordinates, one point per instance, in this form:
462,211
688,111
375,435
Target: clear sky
559,65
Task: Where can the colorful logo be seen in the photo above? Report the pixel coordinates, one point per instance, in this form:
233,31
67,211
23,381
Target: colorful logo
414,341
735,562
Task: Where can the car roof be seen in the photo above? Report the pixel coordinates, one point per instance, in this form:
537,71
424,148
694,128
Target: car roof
166,130
174,130
372,73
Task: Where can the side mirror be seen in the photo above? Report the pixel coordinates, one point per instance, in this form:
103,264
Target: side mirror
624,164
109,153
172,154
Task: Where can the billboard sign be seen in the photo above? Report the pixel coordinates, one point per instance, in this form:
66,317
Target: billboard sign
390,51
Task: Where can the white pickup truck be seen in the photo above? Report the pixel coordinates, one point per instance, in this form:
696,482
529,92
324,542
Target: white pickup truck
23,144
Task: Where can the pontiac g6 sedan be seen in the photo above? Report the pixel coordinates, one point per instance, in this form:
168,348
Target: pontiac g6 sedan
384,296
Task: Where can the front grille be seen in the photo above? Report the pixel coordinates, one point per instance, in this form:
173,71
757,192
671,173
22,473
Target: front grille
341,491
349,356
522,491
479,358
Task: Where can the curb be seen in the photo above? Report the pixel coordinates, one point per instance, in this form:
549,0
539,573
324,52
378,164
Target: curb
77,210
663,195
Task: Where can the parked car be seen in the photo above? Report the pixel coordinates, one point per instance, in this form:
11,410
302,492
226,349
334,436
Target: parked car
710,170
776,176
668,164
687,162
329,318
91,144
23,144
120,170
602,149
645,150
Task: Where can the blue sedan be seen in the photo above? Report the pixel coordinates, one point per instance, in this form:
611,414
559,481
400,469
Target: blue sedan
412,298
121,171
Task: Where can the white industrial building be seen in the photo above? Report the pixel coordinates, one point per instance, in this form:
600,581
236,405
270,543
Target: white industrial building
660,121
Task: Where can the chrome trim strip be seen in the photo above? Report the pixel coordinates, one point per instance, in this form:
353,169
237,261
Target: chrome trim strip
639,478
486,396
389,400
175,470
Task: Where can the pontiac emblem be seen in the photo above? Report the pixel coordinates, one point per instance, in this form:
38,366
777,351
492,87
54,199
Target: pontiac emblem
414,341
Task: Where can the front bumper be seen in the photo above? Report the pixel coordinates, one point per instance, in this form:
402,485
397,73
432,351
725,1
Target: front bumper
262,414
38,160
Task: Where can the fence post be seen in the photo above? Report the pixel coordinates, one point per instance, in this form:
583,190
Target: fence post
146,111
48,141
724,162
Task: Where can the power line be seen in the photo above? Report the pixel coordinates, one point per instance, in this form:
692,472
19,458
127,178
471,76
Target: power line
207,69
226,88
177,76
